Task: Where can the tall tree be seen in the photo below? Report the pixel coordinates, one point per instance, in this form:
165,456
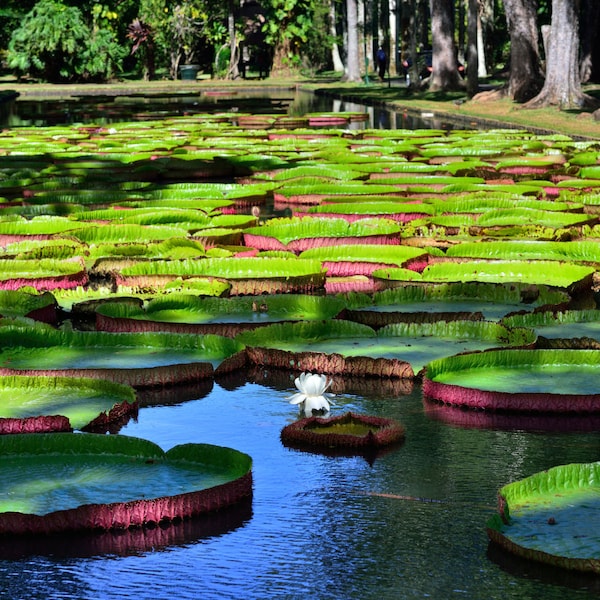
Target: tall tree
562,86
472,48
445,74
352,72
589,40
526,76
287,27
336,59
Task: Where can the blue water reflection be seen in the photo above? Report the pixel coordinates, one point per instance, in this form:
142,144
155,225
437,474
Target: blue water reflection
409,525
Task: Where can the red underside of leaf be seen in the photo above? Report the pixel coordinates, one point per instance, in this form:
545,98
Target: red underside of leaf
317,362
122,515
383,432
505,401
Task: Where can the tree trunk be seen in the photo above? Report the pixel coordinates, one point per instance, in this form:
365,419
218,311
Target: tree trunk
336,59
472,47
526,77
589,33
445,75
562,87
233,72
481,39
408,48
352,61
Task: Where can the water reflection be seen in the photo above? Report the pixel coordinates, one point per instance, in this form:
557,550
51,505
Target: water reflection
481,419
128,542
104,110
410,525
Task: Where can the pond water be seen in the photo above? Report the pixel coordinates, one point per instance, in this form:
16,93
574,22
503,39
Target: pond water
407,524
103,110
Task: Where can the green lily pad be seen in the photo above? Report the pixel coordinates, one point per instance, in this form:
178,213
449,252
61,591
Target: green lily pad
34,404
184,312
450,301
534,380
60,482
552,517
399,350
550,273
566,324
138,359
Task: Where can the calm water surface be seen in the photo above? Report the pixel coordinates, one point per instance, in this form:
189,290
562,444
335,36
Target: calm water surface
408,524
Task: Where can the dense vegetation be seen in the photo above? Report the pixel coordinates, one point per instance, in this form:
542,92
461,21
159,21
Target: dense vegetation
544,48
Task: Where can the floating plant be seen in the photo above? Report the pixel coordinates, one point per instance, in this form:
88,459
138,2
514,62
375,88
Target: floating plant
343,347
44,274
59,482
353,211
578,251
350,431
344,260
568,276
298,234
38,403
531,380
24,303
138,359
550,517
245,275
450,301
564,326
185,313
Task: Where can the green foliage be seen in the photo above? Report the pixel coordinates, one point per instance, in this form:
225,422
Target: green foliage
56,44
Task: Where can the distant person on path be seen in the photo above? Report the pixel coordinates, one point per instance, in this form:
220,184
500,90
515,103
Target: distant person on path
381,58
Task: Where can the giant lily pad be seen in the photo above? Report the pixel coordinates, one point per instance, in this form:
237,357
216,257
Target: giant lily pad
138,359
349,431
551,517
564,275
45,274
298,234
60,482
450,301
246,275
362,259
223,316
560,325
400,350
35,404
558,381
21,303
576,251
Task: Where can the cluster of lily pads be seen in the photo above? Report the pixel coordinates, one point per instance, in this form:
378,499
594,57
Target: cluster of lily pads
163,252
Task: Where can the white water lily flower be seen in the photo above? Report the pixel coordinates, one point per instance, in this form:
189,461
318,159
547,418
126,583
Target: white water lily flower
312,395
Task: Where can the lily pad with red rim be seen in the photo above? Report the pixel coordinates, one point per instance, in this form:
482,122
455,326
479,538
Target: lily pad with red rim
519,379
552,517
37,403
185,313
351,431
345,347
138,359
57,482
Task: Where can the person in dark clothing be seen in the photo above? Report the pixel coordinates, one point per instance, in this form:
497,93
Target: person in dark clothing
381,58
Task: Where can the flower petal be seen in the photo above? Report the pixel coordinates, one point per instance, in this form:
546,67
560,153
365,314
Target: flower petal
296,398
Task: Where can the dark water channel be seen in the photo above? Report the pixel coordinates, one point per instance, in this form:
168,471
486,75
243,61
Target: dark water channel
103,110
408,524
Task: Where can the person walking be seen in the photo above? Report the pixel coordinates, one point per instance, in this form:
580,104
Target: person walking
381,58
